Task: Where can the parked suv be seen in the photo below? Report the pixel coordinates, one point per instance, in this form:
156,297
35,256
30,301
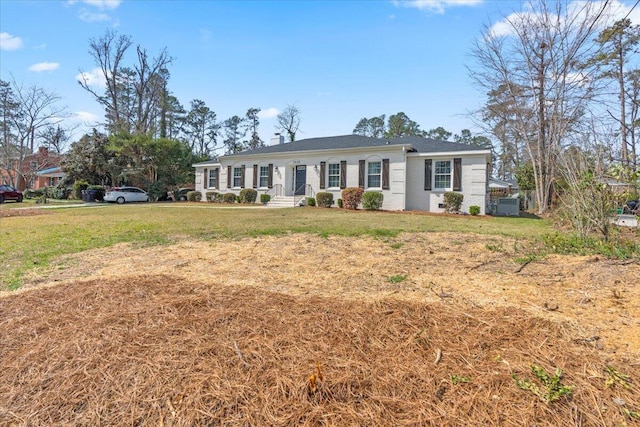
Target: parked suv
121,195
7,192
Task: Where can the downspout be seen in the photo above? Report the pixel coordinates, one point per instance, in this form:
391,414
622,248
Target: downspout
404,190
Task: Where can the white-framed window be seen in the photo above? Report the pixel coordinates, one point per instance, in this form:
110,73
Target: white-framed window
333,175
264,176
237,177
213,178
374,175
442,174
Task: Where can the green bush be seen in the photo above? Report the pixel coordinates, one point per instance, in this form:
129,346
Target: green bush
33,194
452,201
238,199
211,196
62,192
219,198
265,198
311,201
351,197
372,201
78,187
324,199
229,198
248,195
194,196
340,203
474,210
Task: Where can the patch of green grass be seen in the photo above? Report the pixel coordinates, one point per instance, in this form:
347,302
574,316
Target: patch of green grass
396,279
397,245
456,379
569,243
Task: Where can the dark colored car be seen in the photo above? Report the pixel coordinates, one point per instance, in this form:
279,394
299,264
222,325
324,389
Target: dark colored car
7,192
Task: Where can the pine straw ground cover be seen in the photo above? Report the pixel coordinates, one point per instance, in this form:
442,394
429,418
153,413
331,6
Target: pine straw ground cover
162,350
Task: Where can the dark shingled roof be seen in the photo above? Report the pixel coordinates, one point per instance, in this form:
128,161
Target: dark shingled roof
421,145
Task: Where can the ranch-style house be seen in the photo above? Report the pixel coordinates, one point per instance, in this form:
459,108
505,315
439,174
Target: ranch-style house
412,173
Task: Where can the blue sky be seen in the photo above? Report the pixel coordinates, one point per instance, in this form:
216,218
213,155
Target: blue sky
337,61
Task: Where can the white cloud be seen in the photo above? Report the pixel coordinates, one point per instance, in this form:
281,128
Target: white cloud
100,4
44,66
435,6
9,42
87,16
269,113
85,116
92,78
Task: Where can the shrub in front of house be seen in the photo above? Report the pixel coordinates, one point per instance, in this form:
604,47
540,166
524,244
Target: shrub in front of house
229,198
311,201
194,196
324,199
265,198
219,198
211,196
78,187
340,203
62,192
33,193
452,201
474,210
372,201
351,197
248,195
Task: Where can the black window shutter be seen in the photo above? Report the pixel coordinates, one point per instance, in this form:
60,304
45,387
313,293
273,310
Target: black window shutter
270,185
361,173
229,177
385,174
427,174
206,179
242,176
343,174
255,176
323,177
457,174
217,178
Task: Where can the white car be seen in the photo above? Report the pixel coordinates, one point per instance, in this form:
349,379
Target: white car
121,195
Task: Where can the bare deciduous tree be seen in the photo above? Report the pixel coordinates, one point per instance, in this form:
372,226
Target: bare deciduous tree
540,53
133,98
25,111
289,121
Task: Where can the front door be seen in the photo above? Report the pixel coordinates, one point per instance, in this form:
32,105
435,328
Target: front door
301,180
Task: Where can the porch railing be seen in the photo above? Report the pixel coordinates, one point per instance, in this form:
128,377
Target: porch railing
276,190
308,192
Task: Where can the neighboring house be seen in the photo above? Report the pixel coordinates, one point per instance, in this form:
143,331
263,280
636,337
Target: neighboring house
49,177
31,166
412,173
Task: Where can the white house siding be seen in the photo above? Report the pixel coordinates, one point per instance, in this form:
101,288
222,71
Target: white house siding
285,163
474,182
